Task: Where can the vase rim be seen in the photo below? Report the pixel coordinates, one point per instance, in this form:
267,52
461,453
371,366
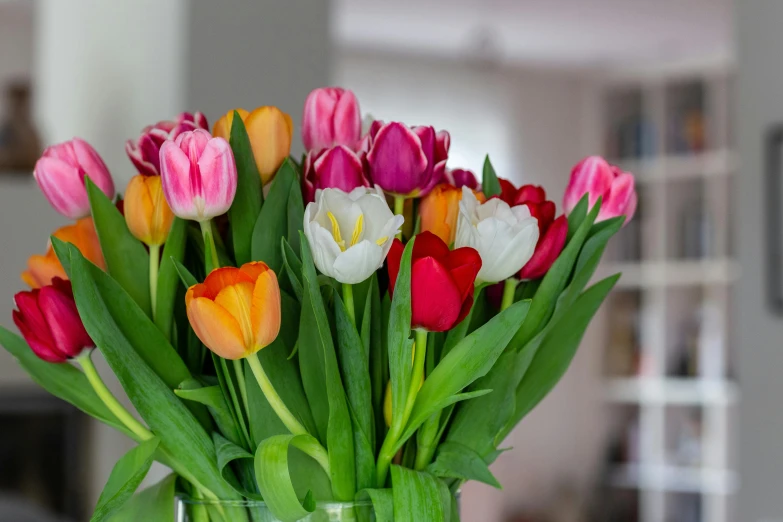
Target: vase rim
323,504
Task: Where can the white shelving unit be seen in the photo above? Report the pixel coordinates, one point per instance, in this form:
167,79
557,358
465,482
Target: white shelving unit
673,391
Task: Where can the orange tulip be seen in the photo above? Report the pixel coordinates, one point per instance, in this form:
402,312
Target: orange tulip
236,311
270,131
41,269
147,213
439,211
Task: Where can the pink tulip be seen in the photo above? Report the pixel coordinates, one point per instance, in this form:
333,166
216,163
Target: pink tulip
144,152
597,178
461,178
331,117
60,174
336,167
48,320
198,174
406,161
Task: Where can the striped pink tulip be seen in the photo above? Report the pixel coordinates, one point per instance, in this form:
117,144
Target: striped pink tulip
144,151
331,117
595,177
60,174
198,174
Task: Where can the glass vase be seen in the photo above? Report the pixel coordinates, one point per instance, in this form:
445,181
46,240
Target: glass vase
193,510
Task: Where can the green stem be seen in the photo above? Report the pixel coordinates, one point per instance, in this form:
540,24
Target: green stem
390,443
241,380
315,450
399,209
154,269
348,300
427,441
235,400
509,289
111,402
211,256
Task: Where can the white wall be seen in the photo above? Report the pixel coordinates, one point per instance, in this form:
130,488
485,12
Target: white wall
759,333
529,123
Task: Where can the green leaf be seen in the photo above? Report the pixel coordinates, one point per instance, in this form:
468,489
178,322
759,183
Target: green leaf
400,345
146,338
184,274
274,478
372,338
126,259
356,376
417,495
247,203
293,267
154,503
61,380
295,210
382,502
558,348
553,284
315,335
490,185
212,397
272,222
472,358
460,462
182,438
125,477
228,452
168,279
577,216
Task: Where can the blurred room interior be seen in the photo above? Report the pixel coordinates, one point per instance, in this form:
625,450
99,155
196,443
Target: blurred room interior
669,412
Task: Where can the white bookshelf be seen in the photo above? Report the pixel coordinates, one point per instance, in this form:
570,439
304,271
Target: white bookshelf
672,396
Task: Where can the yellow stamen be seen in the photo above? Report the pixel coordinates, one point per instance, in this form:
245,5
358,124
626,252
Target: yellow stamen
336,231
357,230
380,241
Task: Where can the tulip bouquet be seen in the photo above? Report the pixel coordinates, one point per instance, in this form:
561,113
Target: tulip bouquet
364,325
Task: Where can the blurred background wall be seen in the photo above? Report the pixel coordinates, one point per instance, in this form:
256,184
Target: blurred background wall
536,84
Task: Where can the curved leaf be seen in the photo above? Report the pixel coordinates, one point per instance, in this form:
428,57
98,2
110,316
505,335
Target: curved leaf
125,477
168,279
154,503
228,452
417,496
250,195
271,224
460,462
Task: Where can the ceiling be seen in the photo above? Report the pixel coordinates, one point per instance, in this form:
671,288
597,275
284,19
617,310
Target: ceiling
558,33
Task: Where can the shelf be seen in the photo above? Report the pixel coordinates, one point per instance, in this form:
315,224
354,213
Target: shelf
675,391
674,479
721,162
673,273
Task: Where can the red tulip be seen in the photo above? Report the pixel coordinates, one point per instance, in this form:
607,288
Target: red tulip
441,281
49,322
551,232
336,167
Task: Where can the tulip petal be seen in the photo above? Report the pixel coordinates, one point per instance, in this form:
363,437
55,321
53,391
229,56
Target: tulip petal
347,121
358,262
463,264
63,186
270,131
549,246
529,194
221,278
436,299
254,269
65,325
396,160
44,349
317,124
218,176
593,176
42,269
216,328
93,165
339,167
175,175
265,311
429,245
237,300
393,260
618,197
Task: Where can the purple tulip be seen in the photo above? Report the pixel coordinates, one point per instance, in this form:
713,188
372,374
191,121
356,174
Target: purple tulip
336,167
60,174
406,161
461,178
144,152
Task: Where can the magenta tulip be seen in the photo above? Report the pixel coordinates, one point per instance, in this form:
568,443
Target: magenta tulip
331,117
60,174
406,161
48,320
461,178
597,178
144,152
336,167
198,174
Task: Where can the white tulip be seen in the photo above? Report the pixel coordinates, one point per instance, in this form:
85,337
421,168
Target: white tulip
505,237
350,234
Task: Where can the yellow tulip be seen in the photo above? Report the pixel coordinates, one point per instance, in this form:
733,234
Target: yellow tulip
147,213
